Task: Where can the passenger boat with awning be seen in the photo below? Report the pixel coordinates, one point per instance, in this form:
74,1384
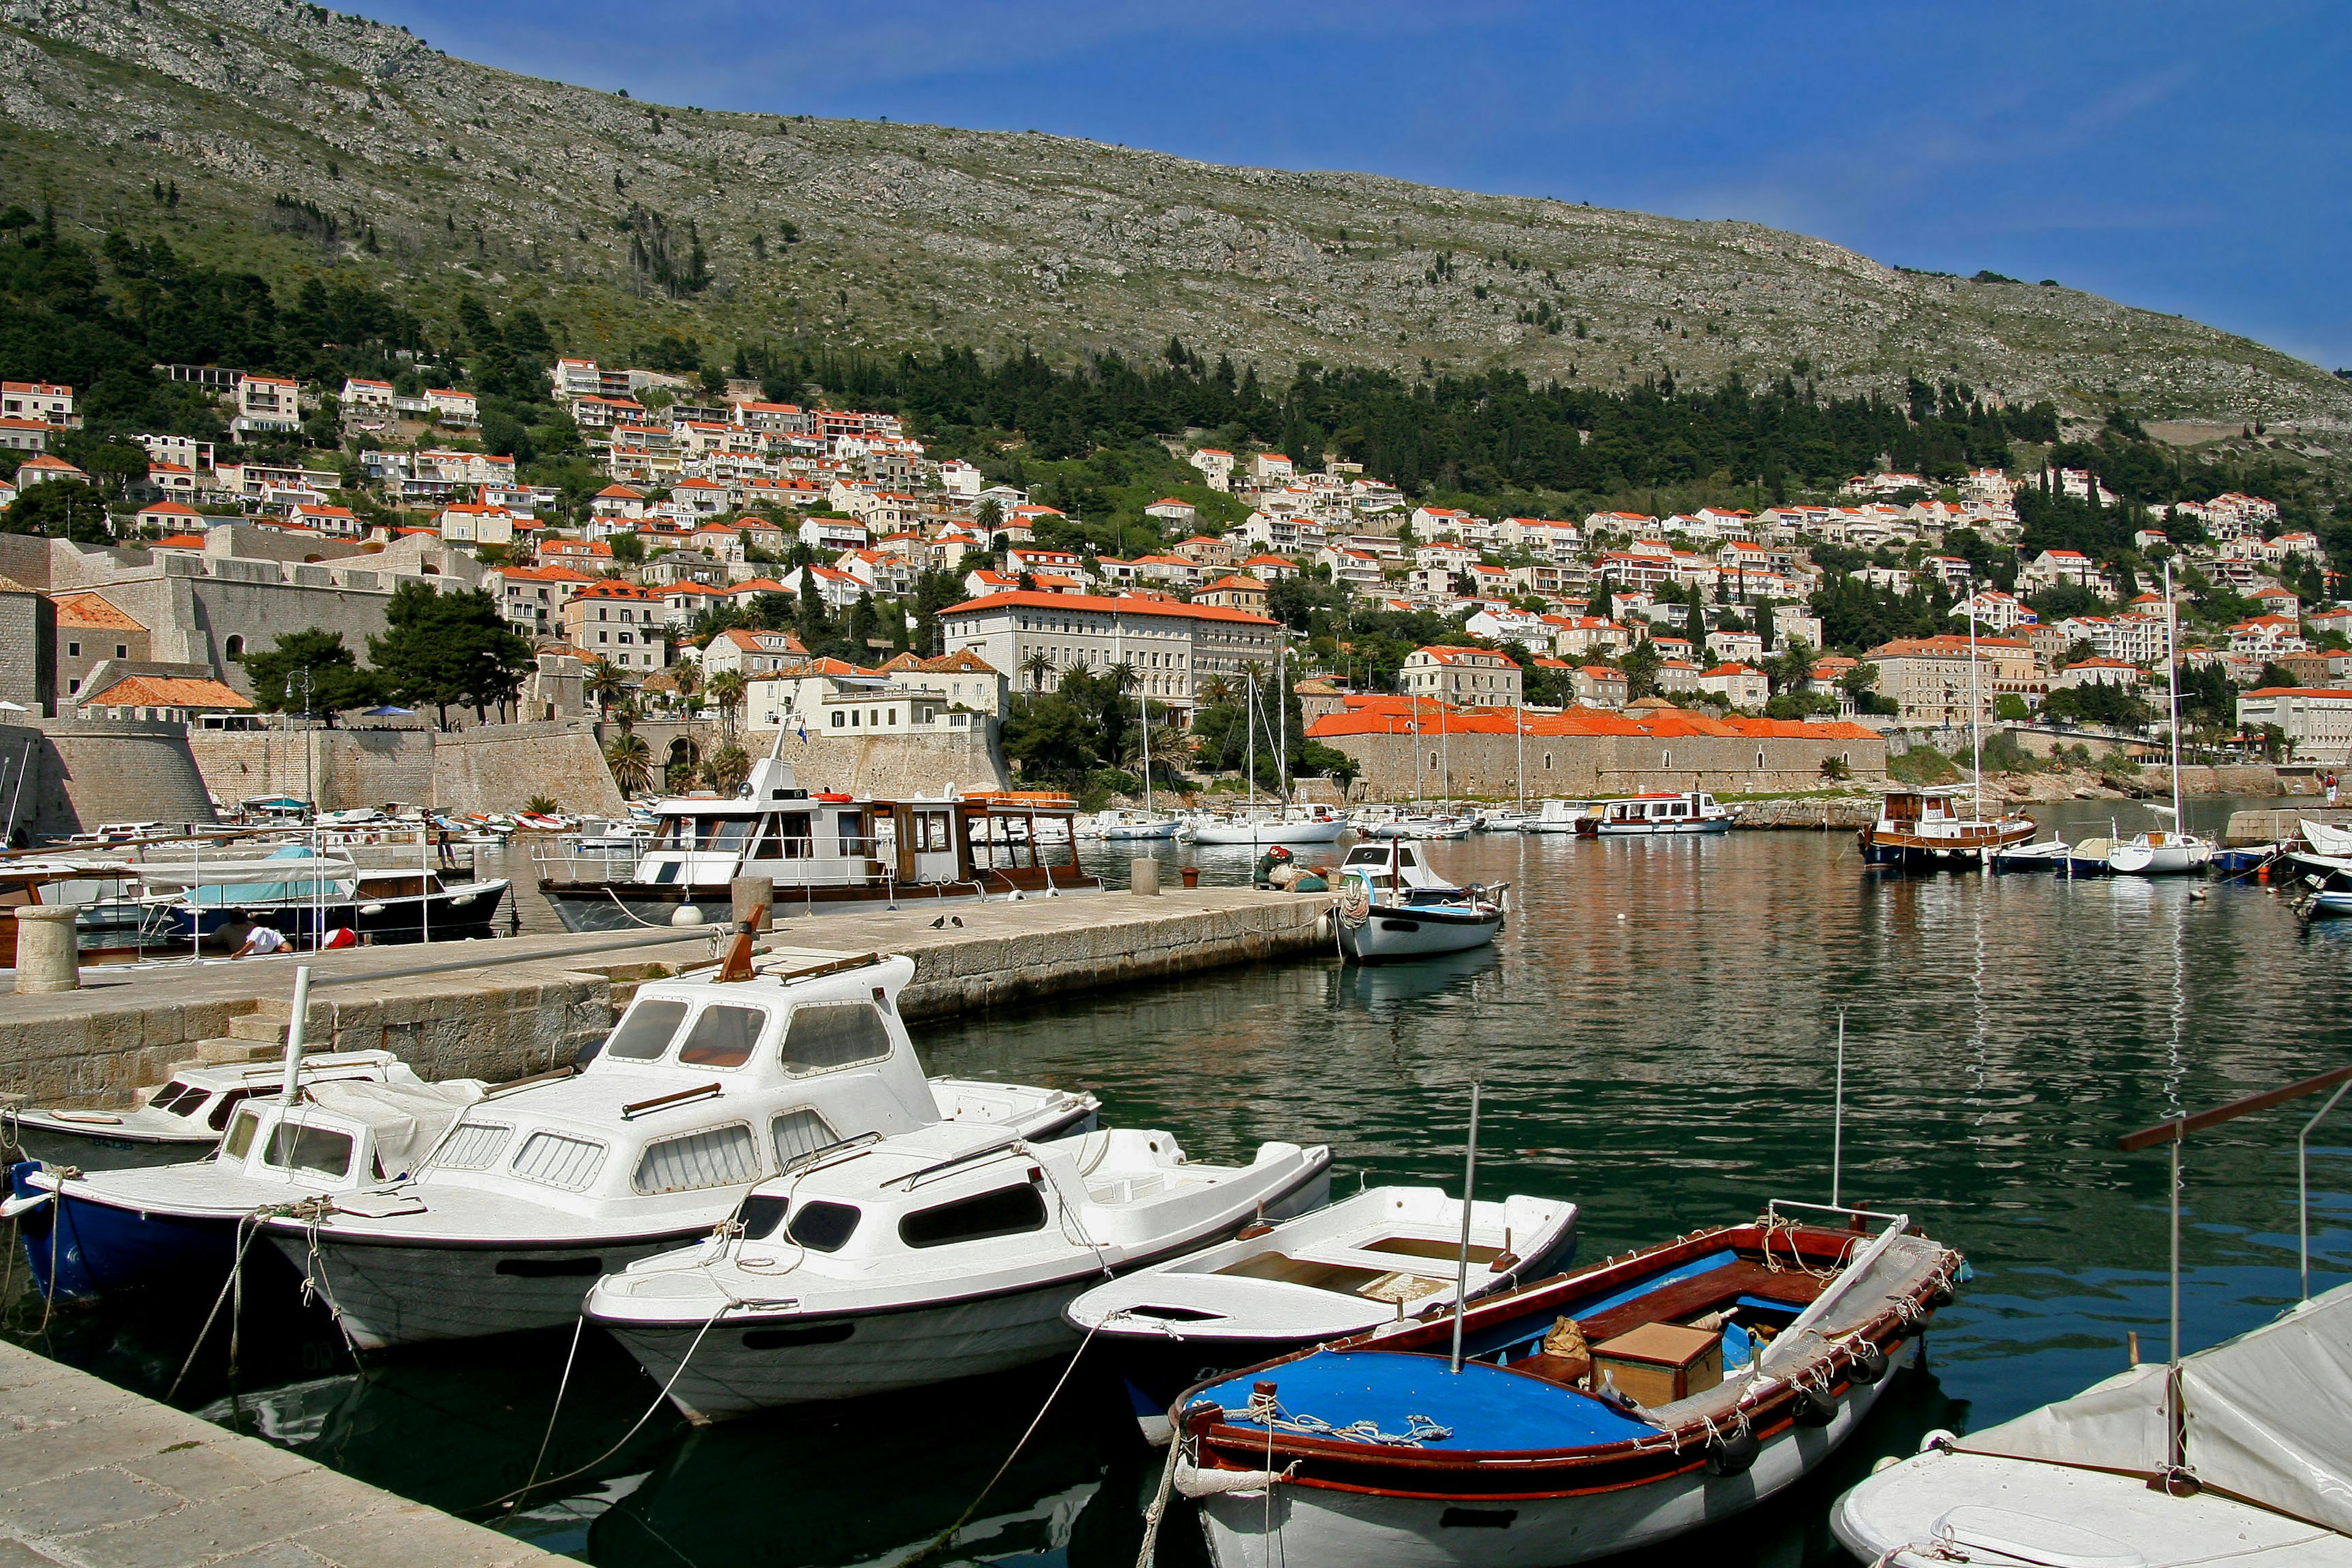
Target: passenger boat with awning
1580,1417
1927,828
1683,811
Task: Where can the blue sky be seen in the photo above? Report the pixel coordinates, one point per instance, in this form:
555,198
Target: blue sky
2190,158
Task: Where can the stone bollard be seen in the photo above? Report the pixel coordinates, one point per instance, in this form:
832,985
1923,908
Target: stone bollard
1143,876
748,893
48,956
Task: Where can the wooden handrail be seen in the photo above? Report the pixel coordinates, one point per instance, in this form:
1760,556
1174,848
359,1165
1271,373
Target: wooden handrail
2180,1127
660,1101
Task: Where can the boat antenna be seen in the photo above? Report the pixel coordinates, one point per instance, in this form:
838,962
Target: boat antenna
2172,684
1469,1189
1837,1122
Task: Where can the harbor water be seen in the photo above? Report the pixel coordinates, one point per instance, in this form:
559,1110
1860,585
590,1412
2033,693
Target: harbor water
1655,1033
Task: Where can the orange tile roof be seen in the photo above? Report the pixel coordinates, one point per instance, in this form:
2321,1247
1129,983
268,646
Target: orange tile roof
166,691
93,610
1133,606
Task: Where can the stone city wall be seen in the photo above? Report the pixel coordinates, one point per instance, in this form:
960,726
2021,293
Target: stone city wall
1592,765
64,776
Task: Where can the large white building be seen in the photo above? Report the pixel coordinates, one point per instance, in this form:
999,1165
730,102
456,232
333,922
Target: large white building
1465,677
1173,648
2316,719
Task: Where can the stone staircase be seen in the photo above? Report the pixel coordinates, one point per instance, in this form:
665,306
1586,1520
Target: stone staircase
256,1036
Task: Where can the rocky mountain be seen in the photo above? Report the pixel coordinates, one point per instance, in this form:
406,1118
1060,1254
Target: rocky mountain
296,140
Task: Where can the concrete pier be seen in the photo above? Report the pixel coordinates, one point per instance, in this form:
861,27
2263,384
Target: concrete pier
94,1476
535,1001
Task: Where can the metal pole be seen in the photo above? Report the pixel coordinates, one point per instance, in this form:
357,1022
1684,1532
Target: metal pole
294,1028
2175,1457
1837,1122
1976,702
1469,1189
2303,1186
2172,684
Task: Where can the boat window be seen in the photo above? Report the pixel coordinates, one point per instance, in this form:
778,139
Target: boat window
473,1146
823,1227
556,1161
239,1141
722,1037
794,827
645,1032
1007,1210
760,1216
714,1157
322,1150
179,1097
232,1098
828,1035
730,833
799,1134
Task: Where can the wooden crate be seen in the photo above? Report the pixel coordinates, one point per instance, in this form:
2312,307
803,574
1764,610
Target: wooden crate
1658,1363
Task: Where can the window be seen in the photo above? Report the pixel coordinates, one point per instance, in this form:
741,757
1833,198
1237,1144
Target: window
232,650
321,1150
122,650
797,1134
722,1036
73,651
828,1035
554,1160
1008,1211
645,1032
473,1146
240,1137
714,1157
231,1100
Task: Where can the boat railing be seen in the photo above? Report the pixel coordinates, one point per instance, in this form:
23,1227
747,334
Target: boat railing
1773,1206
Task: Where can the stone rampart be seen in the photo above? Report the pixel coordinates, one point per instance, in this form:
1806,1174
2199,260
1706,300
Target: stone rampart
494,768
1593,765
890,765
68,775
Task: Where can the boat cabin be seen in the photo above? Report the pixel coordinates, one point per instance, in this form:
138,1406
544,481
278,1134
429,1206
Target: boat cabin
1689,805
340,1136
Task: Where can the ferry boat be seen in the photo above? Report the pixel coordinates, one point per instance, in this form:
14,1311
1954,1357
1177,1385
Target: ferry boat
1689,811
1920,828
824,852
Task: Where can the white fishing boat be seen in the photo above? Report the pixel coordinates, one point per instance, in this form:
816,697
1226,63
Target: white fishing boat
2326,838
2048,855
705,1085
2234,1454
1674,811
184,1227
1384,1258
1392,906
1932,829
1503,820
1309,825
1129,826
1557,816
183,1119
939,1254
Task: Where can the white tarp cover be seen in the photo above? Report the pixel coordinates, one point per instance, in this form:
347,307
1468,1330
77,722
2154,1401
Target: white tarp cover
407,1118
2267,1414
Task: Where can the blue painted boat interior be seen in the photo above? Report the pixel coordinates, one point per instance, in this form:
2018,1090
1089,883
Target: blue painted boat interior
1484,1406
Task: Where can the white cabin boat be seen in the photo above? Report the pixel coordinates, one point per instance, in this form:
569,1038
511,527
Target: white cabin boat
1927,828
183,1119
2160,852
1557,816
705,1085
1687,811
1301,825
1392,906
940,1254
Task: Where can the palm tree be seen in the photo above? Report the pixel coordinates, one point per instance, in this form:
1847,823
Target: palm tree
727,768
606,685
1037,666
1215,692
632,762
687,676
726,691
1123,678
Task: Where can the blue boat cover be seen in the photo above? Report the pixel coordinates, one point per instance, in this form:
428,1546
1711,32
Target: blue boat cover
1486,1407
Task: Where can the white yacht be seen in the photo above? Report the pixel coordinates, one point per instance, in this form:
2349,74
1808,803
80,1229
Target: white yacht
1556,817
1678,811
939,1254
1392,906
704,1087
1299,824
2160,852
183,1119
1128,826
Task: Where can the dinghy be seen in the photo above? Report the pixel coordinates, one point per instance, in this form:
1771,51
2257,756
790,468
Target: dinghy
1379,1260
1577,1418
707,1085
939,1254
183,1119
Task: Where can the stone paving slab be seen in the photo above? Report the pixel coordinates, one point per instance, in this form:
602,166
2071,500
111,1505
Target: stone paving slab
92,1476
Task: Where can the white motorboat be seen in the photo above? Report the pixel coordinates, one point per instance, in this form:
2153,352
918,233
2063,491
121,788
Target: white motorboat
939,1254
1385,1256
1503,820
187,1226
705,1085
1392,906
1557,816
2326,838
2049,854
1431,826
2262,1477
1682,810
2328,881
183,1119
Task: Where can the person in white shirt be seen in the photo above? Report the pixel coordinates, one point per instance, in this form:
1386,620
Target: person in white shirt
260,942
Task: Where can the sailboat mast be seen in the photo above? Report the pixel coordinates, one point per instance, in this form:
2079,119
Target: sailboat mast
1282,717
2172,684
1976,702
1143,710
1249,723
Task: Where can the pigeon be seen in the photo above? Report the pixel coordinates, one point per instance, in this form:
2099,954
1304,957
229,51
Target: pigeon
958,920
941,921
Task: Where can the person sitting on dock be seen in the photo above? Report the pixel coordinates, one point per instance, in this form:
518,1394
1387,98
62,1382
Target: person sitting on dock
260,941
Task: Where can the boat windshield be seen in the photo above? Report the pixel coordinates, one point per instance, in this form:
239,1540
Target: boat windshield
645,1033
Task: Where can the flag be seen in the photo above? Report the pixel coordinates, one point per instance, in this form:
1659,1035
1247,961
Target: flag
803,729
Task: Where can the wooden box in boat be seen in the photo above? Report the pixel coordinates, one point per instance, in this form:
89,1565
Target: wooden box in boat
1658,1363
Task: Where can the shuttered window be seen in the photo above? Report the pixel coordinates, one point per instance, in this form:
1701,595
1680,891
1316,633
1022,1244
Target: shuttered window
799,1134
473,1146
559,1161
828,1035
714,1157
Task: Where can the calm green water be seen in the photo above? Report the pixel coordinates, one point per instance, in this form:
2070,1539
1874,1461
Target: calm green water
1655,1033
